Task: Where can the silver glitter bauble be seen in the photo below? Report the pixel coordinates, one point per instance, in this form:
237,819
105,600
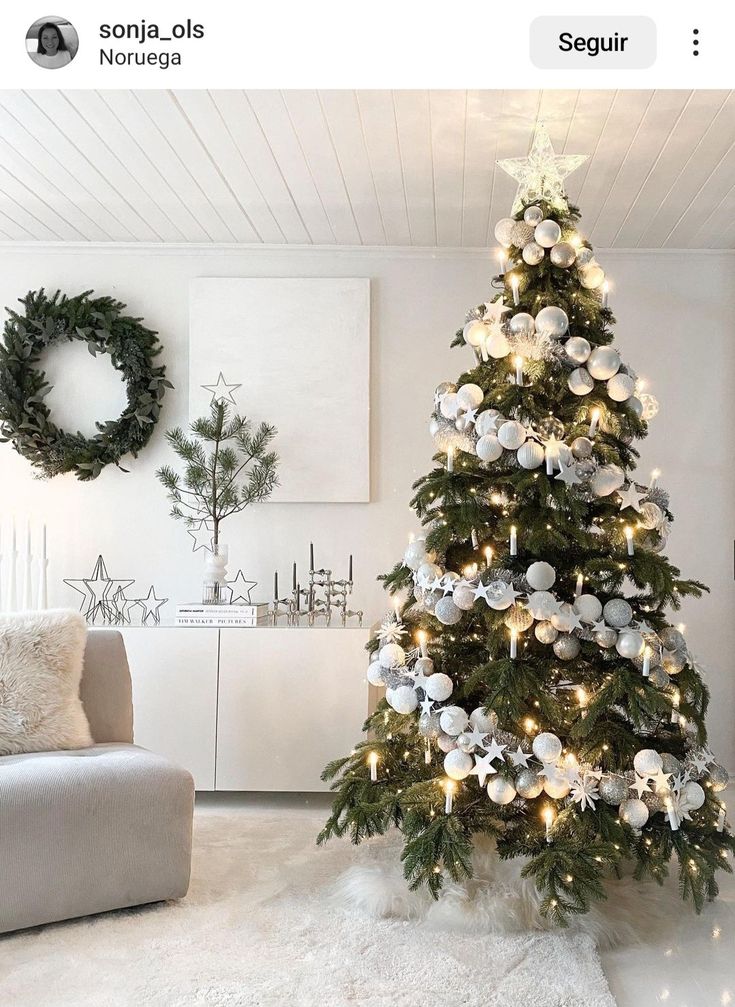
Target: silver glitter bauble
672,639
617,612
533,253
546,747
549,427
629,644
654,802
659,678
503,231
533,215
447,612
588,607
577,349
545,632
606,638
584,257
620,387
445,743
592,277
429,600
522,324
580,381
673,661
567,648
489,448
604,361
521,233
650,515
530,455
528,784
613,788
429,725
670,764
519,618
563,254
547,233
464,597
633,812
552,322
500,790
718,777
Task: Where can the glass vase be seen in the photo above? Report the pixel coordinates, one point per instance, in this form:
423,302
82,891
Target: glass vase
214,588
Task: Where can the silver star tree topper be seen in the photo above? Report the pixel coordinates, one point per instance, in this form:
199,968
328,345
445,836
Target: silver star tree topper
541,175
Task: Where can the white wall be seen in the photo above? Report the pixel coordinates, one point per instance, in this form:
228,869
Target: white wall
675,313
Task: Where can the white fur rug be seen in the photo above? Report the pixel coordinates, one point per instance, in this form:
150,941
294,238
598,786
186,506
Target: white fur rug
272,921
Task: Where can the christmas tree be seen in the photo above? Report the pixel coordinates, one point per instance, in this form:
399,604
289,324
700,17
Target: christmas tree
536,690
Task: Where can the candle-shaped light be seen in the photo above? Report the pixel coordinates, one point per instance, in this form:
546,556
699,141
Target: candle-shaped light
605,293
675,701
373,763
275,585
548,816
579,585
671,815
27,572
43,580
349,578
594,422
488,556
502,259
449,790
518,362
629,540
422,636
298,597
582,699
655,473
475,539
513,540
514,286
550,456
450,459
721,817
427,752
311,555
646,661
513,644
294,577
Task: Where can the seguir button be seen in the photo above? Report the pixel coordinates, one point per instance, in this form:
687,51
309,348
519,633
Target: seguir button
593,43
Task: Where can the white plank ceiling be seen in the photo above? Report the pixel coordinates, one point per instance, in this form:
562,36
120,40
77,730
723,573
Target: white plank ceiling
403,168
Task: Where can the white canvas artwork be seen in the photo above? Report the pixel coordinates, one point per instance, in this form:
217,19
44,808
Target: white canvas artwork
298,351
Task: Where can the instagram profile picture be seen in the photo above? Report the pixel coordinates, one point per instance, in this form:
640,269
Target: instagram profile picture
52,42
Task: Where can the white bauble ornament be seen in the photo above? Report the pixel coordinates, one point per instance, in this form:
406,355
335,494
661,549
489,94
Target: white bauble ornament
404,699
427,573
542,605
464,597
375,673
552,322
445,743
434,426
457,764
449,406
497,345
500,790
630,644
541,575
530,455
588,607
482,721
563,254
567,648
546,632
562,620
522,324
416,554
503,230
453,720
546,747
392,656
528,784
617,613
634,813
647,762
533,215
580,382
489,448
439,687
487,422
447,612
475,332
693,796
557,785
497,595
620,387
582,447
577,349
606,480
511,434
604,361
592,277
532,253
470,396
547,233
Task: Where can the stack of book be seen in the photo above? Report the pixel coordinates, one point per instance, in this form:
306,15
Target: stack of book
221,615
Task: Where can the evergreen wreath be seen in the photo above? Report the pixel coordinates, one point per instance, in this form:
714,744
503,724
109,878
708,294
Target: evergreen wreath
25,419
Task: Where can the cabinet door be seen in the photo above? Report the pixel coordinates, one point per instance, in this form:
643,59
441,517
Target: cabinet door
174,672
290,700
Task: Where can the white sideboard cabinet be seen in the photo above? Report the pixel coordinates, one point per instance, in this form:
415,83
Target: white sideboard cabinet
262,708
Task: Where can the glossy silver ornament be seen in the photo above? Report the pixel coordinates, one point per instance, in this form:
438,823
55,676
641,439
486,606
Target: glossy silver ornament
522,324
533,215
613,788
604,361
552,321
567,647
465,743
584,257
578,349
500,790
545,632
563,254
528,784
650,515
580,381
533,254
582,447
547,233
629,644
617,612
635,405
429,725
424,666
670,764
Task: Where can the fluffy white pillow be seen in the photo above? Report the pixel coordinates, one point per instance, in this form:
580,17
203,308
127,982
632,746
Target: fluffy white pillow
41,660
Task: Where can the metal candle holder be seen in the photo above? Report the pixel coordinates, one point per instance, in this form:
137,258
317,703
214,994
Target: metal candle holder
319,600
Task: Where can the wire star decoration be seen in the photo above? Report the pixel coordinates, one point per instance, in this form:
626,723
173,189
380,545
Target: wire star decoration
240,589
222,391
541,175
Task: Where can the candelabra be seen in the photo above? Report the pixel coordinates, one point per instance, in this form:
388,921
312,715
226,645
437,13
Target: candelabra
320,599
